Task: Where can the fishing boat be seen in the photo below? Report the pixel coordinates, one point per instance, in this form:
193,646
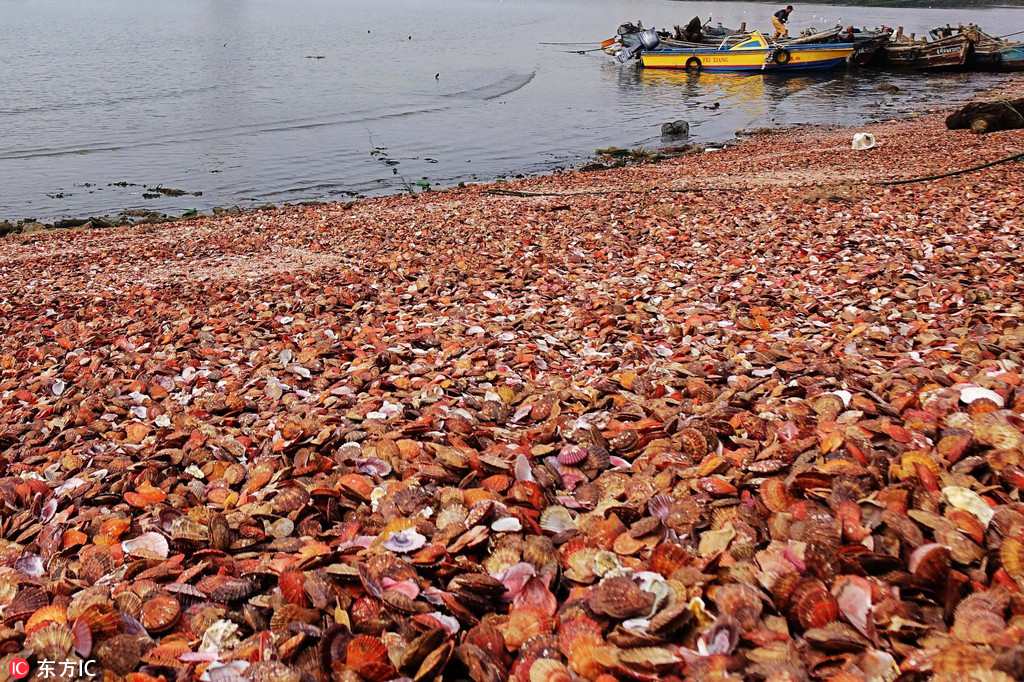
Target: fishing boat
755,53
945,53
992,54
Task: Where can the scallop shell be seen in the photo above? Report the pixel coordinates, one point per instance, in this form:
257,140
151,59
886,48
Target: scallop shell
290,498
507,524
812,605
962,658
775,495
668,557
619,598
540,551
576,628
930,562
120,654
598,458
102,620
147,546
1011,554
96,562
47,614
293,587
364,650
220,532
167,654
699,390
648,659
272,671
367,615
978,621
692,443
753,426
993,429
51,642
522,624
501,559
572,454
557,519
740,602
971,393
228,589
25,603
549,670
450,516
404,541
828,406
185,529
160,612
128,602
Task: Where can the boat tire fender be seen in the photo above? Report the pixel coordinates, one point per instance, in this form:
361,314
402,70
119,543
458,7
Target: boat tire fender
782,56
694,64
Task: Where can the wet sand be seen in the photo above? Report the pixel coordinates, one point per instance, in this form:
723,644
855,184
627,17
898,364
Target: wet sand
746,367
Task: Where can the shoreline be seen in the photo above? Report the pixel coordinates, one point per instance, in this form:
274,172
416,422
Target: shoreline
716,417
607,158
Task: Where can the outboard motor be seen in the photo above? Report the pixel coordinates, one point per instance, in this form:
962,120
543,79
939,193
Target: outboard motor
646,40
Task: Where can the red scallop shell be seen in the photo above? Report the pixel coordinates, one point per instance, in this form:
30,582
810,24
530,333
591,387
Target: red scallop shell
365,650
812,604
930,562
292,584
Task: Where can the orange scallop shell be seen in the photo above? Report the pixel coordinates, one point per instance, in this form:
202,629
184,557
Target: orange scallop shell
549,670
102,621
930,562
692,443
522,624
589,656
47,614
293,587
668,557
167,654
775,495
365,650
1011,553
812,604
577,627
160,612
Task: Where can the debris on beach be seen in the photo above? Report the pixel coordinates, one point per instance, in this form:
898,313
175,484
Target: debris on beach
988,117
708,419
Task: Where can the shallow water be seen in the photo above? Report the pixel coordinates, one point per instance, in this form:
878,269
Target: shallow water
219,97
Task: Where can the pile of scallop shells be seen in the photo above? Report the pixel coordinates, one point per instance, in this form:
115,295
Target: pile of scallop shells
716,435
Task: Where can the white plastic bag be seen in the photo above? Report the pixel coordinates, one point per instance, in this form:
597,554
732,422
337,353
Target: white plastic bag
862,141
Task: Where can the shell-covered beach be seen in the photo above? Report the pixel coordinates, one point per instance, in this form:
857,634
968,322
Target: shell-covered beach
745,414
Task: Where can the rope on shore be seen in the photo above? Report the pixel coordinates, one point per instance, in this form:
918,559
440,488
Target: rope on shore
1006,159
606,192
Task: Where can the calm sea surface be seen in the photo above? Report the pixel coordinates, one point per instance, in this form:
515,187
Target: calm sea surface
101,98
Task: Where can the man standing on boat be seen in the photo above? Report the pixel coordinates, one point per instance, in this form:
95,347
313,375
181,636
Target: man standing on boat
779,21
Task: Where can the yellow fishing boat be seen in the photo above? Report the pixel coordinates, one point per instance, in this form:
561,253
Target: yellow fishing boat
756,53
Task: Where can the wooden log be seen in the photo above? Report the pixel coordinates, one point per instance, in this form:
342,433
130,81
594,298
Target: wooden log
988,117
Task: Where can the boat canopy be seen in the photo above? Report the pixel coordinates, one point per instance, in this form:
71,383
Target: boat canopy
757,41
